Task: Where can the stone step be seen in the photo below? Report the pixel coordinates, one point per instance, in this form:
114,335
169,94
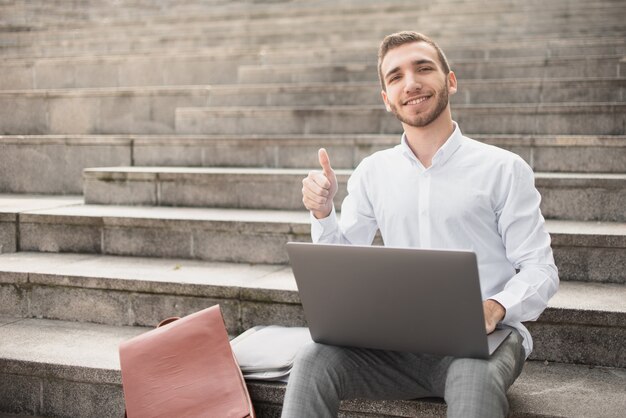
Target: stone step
160,110
584,251
497,16
458,46
544,68
129,70
576,196
522,48
469,92
89,15
603,23
583,323
116,110
43,360
61,159
12,205
570,118
212,68
544,153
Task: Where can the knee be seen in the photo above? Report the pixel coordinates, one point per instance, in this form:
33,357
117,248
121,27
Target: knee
319,356
474,388
471,376
323,363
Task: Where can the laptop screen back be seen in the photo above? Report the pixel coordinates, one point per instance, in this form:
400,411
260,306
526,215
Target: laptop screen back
391,298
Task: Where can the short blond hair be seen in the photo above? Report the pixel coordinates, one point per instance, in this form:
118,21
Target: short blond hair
406,37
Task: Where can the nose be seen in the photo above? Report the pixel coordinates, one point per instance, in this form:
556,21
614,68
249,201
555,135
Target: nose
412,84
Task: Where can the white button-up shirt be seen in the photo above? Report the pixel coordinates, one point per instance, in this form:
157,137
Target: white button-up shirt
473,197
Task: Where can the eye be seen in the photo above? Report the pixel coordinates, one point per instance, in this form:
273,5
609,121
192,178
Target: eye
424,69
393,78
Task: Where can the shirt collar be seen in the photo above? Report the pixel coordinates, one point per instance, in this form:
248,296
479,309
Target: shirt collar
443,154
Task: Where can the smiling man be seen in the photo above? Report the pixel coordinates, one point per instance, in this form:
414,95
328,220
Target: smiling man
436,189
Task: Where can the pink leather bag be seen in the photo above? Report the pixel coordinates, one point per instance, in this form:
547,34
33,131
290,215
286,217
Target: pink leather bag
184,368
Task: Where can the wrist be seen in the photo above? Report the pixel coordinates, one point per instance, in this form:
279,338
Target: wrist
496,310
322,214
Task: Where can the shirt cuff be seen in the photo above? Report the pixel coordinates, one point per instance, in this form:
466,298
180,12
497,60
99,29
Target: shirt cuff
510,303
323,227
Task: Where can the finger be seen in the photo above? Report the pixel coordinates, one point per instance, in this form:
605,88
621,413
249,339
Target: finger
312,205
315,197
325,162
311,183
320,179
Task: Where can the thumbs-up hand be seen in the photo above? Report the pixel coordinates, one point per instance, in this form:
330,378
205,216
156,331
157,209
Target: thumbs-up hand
320,187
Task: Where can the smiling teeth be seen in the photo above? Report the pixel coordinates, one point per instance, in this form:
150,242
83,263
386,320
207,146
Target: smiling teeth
416,101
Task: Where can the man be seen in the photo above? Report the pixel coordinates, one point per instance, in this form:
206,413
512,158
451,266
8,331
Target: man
436,189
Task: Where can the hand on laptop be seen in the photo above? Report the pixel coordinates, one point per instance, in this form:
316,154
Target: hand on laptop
494,313
320,187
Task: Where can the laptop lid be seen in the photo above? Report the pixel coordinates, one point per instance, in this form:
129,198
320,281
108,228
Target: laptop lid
403,299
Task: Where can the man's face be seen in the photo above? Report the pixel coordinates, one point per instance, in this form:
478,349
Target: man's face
417,88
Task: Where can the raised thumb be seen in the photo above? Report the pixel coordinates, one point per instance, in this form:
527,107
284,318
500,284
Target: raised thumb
325,162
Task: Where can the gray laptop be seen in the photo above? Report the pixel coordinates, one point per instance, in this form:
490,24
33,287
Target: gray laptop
402,299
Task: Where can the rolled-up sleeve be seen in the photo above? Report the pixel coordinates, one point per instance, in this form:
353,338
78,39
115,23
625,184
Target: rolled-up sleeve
527,244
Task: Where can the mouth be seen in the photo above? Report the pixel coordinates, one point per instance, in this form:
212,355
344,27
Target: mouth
416,100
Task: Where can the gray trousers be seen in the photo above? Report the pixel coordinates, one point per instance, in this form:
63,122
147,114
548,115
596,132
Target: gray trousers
323,375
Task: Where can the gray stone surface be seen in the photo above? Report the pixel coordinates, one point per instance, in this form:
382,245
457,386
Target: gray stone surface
61,237
587,234
76,304
549,389
150,309
252,236
558,153
136,192
21,115
585,119
564,196
582,196
559,390
585,322
464,69
519,49
470,92
70,346
258,313
599,159
95,111
590,263
318,36
11,205
564,343
20,394
7,236
203,187
13,300
60,161
72,115
208,234
77,399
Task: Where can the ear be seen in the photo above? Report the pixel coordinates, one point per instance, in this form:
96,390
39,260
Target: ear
452,83
386,100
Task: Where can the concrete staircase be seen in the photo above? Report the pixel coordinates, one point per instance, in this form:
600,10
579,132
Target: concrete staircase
151,154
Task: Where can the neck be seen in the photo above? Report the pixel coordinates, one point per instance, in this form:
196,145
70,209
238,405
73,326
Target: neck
426,140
